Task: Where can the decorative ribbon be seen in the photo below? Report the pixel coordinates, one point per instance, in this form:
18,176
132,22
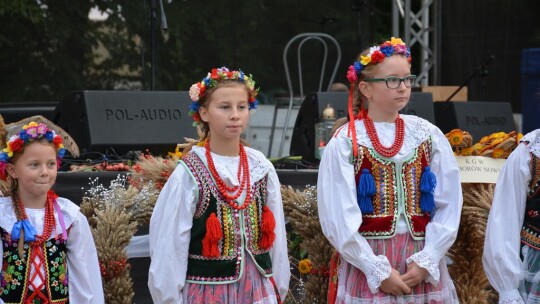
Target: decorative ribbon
29,231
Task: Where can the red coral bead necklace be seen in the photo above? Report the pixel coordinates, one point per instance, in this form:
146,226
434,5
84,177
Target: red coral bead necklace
232,193
49,218
398,141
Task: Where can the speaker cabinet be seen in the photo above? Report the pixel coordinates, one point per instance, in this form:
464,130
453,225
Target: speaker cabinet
303,138
421,105
15,111
126,120
480,118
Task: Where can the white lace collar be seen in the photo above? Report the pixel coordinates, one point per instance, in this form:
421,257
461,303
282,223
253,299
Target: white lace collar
69,210
417,130
227,166
533,141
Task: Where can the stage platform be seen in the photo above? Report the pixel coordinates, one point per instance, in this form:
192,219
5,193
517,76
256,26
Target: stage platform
72,185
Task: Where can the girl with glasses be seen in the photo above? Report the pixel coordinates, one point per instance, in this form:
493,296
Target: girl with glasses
389,192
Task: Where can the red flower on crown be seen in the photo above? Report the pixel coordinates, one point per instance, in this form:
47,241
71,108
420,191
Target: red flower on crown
215,74
16,145
57,140
377,57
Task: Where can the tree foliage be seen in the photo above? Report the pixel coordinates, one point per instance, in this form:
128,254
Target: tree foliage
48,48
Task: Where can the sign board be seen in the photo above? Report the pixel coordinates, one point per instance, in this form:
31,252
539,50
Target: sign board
479,169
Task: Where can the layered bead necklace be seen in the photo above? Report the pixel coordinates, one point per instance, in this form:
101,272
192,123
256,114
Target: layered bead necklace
398,141
49,218
232,193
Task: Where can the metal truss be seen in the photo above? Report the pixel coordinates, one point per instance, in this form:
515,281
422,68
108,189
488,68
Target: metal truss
421,33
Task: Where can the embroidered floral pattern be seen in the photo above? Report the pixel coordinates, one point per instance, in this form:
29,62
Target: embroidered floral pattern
529,231
534,185
13,269
57,270
411,175
15,272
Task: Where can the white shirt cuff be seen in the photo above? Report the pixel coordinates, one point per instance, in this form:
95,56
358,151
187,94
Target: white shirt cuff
511,296
429,260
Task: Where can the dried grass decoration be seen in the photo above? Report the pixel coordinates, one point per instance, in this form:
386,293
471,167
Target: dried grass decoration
467,269
300,209
114,214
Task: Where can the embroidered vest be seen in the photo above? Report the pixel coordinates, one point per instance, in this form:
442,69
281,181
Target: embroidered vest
530,232
241,230
15,274
394,182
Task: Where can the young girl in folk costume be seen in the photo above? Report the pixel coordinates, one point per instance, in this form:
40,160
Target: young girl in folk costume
513,268
389,192
217,233
47,253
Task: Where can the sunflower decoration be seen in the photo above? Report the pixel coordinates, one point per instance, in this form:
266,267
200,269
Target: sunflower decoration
459,140
305,266
497,145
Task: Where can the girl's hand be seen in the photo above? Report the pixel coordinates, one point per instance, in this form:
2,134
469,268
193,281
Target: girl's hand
394,284
415,275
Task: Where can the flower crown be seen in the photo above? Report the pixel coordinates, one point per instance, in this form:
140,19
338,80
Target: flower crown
377,54
29,133
198,89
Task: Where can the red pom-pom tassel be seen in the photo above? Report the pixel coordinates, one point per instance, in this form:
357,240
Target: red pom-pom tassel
267,228
212,237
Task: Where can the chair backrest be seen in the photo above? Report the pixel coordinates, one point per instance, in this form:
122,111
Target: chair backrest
301,39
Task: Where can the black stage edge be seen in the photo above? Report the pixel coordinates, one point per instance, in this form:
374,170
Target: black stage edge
72,185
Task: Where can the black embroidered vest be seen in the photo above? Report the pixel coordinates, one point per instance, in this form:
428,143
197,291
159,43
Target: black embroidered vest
13,279
530,232
241,230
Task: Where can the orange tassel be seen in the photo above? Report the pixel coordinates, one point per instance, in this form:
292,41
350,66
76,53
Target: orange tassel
212,237
267,228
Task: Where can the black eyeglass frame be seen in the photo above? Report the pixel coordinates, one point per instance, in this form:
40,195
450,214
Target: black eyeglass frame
385,79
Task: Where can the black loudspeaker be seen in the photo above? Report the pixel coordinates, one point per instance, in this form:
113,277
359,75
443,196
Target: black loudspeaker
421,105
126,120
480,118
303,138
15,111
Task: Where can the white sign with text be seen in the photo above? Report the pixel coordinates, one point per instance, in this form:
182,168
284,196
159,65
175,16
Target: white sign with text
479,169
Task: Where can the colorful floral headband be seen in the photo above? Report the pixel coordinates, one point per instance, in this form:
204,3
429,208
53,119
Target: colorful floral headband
377,54
198,89
29,133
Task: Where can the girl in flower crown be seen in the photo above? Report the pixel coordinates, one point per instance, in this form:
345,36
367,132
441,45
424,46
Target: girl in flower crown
512,245
48,253
389,193
217,233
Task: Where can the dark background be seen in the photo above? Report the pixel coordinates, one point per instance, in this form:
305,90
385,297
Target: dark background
48,48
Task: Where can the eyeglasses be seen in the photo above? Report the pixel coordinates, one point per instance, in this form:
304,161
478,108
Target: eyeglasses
393,82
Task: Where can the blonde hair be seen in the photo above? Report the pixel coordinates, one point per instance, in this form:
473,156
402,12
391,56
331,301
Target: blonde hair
368,71
203,128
